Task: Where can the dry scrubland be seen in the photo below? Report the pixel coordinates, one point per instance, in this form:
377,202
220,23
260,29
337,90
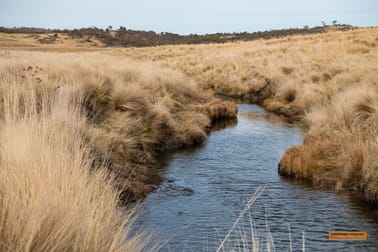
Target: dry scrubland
79,131
327,82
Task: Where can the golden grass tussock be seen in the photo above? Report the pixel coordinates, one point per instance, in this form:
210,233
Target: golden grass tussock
324,81
338,147
79,132
50,198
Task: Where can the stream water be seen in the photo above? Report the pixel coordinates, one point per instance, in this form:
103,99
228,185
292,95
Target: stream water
204,191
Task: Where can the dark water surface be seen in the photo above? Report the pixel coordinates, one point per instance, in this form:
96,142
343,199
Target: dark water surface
205,190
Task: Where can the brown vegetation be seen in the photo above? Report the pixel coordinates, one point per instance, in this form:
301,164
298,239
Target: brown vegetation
338,151
79,131
50,198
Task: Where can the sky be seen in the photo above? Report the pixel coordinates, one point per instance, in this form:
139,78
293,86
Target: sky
187,16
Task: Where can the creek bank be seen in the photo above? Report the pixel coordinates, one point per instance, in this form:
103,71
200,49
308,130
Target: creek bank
265,96
327,158
142,173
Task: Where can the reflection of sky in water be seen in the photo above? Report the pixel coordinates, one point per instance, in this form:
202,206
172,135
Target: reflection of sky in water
207,187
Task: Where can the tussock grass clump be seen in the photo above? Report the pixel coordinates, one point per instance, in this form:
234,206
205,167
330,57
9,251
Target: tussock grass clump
97,98
337,151
218,110
79,136
50,198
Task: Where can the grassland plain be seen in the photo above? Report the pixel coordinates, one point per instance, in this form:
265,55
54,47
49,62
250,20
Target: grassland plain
326,82
79,127
78,131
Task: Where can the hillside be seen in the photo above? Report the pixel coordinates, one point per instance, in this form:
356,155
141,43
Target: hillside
95,37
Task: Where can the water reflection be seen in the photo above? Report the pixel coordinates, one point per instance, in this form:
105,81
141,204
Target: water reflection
222,124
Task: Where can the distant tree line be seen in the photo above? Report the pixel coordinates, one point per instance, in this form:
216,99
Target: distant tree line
124,37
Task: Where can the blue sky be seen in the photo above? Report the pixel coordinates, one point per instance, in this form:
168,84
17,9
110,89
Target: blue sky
187,16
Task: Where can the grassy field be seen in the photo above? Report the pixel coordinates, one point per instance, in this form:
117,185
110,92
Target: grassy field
81,125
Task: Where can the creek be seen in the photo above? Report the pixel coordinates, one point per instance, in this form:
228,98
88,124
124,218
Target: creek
205,189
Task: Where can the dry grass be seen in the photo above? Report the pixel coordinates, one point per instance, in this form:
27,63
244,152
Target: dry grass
296,71
338,147
50,199
78,128
61,43
79,131
134,111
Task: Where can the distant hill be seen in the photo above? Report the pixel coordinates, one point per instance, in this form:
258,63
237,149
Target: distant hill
124,37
